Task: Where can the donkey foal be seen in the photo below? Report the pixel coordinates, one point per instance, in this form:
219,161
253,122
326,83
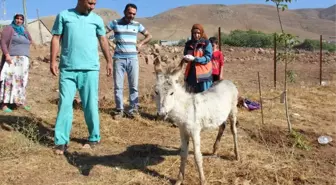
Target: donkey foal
194,112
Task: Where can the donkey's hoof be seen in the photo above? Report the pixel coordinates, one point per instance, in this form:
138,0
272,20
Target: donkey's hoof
178,182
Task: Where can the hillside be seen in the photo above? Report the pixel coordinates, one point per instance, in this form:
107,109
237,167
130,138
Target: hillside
106,14
176,23
329,13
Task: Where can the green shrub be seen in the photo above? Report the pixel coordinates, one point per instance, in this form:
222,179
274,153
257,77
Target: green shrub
250,38
332,49
312,45
309,45
258,39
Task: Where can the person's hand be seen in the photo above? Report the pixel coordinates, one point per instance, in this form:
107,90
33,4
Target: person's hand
33,45
8,59
54,68
138,47
189,58
109,68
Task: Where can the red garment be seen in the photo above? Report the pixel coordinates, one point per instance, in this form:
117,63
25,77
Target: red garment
217,62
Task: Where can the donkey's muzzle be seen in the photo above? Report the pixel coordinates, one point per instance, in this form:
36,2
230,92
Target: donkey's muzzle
161,115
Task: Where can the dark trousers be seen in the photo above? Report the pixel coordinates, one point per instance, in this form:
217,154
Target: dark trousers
215,78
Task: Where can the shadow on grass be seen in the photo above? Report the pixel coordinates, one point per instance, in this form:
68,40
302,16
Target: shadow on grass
143,114
137,157
33,128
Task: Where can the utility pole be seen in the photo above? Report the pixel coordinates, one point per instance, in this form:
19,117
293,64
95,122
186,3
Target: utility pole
39,22
25,13
3,8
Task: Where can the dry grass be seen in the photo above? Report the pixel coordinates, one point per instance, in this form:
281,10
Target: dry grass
145,151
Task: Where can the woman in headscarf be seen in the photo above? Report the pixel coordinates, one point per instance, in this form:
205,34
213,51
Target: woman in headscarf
15,45
198,53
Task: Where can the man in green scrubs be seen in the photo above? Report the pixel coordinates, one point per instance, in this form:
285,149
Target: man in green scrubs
77,30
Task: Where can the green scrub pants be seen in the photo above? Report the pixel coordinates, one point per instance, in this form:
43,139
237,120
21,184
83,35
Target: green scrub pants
87,82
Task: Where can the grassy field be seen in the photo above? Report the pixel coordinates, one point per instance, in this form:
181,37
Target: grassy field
146,151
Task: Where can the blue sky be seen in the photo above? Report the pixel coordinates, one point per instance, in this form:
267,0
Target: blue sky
146,8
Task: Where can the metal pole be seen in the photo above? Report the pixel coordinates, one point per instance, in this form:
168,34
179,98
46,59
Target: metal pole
275,59
320,59
40,28
25,13
4,12
219,39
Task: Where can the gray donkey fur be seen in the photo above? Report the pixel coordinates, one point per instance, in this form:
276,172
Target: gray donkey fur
193,113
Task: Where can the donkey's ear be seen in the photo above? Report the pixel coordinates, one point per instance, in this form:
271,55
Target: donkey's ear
157,65
178,70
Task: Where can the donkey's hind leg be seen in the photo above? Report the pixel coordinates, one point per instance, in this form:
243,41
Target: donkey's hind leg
219,136
233,120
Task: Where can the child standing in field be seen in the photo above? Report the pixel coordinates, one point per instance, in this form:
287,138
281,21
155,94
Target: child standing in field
217,60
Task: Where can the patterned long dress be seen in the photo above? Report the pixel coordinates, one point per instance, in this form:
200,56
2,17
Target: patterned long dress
14,80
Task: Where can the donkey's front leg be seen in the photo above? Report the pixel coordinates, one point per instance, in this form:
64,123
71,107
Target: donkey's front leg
184,155
196,136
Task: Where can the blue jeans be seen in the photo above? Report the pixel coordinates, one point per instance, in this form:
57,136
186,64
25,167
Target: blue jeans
131,67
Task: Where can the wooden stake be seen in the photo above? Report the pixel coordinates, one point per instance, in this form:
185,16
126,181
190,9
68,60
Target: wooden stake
260,98
275,60
320,59
219,39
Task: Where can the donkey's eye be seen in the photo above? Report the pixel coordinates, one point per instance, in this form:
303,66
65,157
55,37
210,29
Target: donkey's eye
171,93
156,92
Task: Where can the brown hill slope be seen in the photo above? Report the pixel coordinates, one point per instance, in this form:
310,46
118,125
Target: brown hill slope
176,23
106,14
329,13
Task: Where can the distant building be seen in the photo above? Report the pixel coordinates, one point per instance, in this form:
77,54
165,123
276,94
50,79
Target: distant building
332,40
34,25
39,36
169,42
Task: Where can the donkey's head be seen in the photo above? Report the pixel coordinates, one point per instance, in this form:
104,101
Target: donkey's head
165,87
